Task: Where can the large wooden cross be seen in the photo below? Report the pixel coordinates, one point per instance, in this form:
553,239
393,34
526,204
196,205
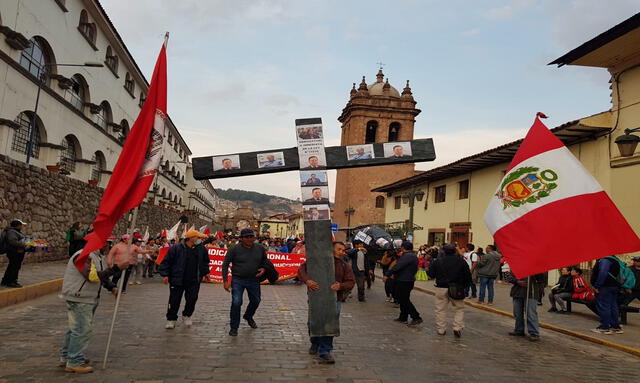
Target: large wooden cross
313,160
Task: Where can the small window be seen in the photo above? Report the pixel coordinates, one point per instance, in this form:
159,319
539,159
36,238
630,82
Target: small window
463,189
22,135
68,155
436,238
397,202
76,93
440,193
87,29
394,131
143,98
129,85
379,201
370,133
111,61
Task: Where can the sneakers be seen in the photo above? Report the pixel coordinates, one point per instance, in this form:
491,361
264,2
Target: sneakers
442,332
130,283
490,303
313,349
513,333
84,369
403,321
552,310
533,338
63,363
14,285
457,333
171,324
618,330
138,283
187,321
600,330
415,322
233,332
251,322
480,302
326,359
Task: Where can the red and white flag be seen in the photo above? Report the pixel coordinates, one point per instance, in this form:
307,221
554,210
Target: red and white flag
549,211
138,162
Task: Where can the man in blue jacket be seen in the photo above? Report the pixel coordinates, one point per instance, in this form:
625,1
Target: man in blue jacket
405,272
184,266
605,285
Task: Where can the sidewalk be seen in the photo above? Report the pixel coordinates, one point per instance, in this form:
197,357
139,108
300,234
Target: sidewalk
581,320
37,279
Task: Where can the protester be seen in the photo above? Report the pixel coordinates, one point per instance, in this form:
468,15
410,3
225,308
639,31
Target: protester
299,248
15,249
561,291
139,260
323,345
520,299
75,237
388,261
247,259
633,293
360,266
184,266
471,257
119,254
81,291
150,259
606,287
452,275
405,272
488,270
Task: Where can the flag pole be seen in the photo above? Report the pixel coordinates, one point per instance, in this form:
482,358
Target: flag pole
526,306
120,283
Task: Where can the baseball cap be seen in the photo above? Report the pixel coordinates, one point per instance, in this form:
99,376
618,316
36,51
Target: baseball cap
137,240
194,233
17,222
407,245
247,233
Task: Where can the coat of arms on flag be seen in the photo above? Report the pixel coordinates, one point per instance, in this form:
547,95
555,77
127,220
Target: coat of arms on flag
526,185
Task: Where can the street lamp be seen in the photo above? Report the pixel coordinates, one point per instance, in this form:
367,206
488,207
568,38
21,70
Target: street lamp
410,198
627,142
42,80
349,212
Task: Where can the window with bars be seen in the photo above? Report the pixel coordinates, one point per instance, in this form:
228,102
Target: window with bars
68,155
129,85
22,134
111,60
34,59
98,166
87,29
440,194
75,94
104,117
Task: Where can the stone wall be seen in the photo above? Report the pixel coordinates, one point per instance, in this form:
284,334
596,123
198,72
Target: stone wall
50,203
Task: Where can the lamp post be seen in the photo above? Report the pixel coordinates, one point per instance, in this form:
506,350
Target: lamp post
41,80
349,212
628,142
410,198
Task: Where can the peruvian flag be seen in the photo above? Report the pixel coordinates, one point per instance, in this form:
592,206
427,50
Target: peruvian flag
549,211
137,164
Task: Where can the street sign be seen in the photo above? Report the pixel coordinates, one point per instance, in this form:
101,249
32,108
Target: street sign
334,227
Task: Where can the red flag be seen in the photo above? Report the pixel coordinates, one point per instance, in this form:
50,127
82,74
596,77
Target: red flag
549,211
207,232
164,233
137,164
161,254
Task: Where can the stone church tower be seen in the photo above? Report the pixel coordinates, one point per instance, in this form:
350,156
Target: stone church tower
374,113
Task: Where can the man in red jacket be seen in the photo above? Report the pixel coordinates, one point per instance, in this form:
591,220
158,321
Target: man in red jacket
345,281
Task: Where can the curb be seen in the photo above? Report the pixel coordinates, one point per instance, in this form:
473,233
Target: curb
548,326
13,296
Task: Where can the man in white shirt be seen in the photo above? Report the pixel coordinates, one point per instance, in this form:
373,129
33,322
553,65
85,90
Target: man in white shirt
471,257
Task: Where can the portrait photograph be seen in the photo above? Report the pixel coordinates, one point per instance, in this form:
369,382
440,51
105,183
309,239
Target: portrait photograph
360,152
315,194
270,160
311,178
310,132
316,212
226,163
313,161
397,149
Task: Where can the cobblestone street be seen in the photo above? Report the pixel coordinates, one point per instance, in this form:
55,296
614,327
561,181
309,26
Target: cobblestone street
373,348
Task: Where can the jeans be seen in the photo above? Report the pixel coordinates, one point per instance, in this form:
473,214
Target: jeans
13,268
486,282
607,306
237,290
403,291
190,292
532,316
76,340
118,274
474,290
360,280
325,343
137,271
559,299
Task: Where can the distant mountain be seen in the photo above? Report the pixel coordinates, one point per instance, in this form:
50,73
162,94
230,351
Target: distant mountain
264,205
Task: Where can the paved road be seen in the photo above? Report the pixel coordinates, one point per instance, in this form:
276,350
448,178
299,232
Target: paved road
373,348
32,273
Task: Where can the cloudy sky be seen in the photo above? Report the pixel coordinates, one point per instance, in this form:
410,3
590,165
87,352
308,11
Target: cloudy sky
241,71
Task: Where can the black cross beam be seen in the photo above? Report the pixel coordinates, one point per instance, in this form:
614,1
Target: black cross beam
203,167
313,159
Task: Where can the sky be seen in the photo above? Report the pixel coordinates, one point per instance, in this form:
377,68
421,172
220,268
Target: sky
241,71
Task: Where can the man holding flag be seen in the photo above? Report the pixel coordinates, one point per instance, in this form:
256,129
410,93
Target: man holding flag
546,193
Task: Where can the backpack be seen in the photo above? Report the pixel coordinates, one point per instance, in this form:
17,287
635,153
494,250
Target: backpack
3,241
625,278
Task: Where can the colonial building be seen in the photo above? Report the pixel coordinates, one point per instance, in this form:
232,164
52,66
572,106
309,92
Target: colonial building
84,111
374,113
275,226
456,195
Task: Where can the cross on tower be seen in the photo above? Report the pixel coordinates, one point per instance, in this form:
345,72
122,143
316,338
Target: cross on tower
313,160
380,64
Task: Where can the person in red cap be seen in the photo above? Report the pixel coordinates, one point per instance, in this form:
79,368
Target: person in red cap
183,268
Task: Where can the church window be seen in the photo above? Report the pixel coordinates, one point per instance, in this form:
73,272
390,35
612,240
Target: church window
394,131
370,133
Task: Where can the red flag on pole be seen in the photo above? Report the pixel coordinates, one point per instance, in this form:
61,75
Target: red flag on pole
137,164
547,195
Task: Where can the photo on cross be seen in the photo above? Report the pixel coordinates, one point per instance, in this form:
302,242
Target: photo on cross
397,149
270,160
315,194
316,212
226,163
313,178
360,152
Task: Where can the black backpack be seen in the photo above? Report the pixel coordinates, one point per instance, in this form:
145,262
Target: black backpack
3,241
